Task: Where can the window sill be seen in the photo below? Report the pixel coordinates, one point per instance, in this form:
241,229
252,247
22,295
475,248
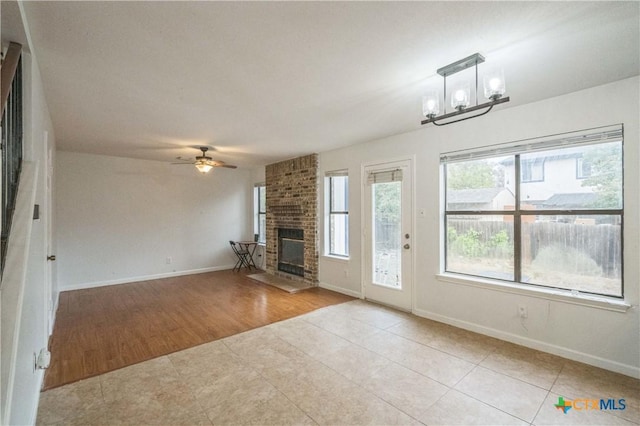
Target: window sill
340,259
565,296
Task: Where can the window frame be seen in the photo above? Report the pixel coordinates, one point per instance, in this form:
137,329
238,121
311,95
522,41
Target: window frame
258,212
517,214
329,179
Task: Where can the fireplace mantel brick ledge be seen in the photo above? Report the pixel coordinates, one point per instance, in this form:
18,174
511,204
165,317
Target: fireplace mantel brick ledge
292,191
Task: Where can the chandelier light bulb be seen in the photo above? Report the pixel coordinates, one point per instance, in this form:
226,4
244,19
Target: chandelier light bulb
494,86
430,104
460,98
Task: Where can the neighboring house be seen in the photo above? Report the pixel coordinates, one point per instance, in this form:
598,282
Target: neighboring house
480,199
553,180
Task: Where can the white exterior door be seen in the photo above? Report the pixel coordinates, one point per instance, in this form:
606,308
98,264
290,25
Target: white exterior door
387,211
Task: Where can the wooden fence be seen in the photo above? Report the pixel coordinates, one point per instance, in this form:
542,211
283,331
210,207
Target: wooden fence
602,243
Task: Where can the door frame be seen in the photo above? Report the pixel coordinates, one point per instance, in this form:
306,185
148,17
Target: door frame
47,219
363,240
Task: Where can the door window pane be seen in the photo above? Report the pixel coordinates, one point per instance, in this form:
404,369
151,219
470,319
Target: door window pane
387,234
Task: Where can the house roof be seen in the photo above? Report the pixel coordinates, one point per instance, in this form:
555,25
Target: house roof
581,199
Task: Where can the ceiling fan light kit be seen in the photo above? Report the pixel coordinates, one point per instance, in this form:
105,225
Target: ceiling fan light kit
203,167
493,85
204,163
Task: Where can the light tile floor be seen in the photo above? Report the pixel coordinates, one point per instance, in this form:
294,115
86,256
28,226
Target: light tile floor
353,363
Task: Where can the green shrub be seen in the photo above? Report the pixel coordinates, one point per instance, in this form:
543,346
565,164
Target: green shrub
565,259
472,244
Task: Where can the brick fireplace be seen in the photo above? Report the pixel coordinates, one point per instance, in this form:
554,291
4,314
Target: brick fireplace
292,219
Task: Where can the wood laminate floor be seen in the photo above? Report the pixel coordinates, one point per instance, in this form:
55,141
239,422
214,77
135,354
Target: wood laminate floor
106,328
354,363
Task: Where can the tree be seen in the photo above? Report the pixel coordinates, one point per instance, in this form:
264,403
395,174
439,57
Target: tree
470,175
605,177
387,199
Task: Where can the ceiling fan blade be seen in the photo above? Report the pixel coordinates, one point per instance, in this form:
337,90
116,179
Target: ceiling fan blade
215,163
190,164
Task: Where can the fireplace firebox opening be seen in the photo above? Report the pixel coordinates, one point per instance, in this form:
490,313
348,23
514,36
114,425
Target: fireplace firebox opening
291,251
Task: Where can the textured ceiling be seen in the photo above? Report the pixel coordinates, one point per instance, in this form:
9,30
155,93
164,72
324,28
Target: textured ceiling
264,81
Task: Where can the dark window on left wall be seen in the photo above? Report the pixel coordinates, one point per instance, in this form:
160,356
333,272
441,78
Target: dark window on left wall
260,212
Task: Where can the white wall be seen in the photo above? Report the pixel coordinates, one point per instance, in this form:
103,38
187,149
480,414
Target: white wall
119,219
593,335
25,292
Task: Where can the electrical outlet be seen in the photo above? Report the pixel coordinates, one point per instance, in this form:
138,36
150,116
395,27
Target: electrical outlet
168,260
522,311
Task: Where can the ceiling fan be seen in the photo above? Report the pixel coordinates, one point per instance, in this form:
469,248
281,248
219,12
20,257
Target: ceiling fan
204,163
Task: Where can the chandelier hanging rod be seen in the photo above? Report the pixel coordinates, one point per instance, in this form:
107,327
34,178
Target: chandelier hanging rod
490,105
461,65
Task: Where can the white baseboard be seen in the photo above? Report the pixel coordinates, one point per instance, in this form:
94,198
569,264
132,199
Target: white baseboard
337,289
144,278
596,361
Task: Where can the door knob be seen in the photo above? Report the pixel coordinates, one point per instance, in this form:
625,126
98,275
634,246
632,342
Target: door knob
407,246
51,258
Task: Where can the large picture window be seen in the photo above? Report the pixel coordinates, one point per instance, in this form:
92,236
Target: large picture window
338,214
554,228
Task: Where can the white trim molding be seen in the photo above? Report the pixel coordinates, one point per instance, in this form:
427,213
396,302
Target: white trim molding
144,278
342,290
558,295
607,364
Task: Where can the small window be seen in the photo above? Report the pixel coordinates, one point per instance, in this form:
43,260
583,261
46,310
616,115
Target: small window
338,214
260,213
561,233
532,170
583,168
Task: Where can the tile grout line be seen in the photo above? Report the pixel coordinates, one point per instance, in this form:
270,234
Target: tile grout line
266,379
350,380
193,395
437,349
384,357
540,407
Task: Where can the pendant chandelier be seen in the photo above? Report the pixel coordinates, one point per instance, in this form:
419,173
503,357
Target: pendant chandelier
494,89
